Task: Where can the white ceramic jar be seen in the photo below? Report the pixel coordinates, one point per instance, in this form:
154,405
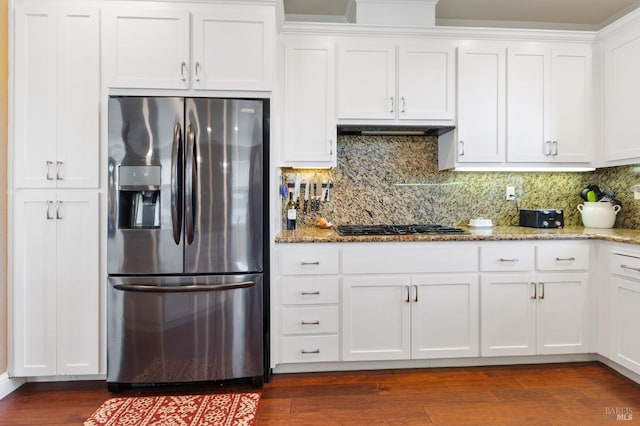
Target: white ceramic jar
598,214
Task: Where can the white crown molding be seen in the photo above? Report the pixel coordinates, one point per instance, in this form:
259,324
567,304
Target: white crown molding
497,34
472,23
627,20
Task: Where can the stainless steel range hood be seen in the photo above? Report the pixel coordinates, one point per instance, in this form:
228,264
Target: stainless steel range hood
359,130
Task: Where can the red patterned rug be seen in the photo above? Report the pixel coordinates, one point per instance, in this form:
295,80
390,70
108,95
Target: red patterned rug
186,410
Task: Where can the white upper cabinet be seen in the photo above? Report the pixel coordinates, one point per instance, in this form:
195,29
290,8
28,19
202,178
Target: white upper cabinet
426,81
395,80
367,80
309,102
233,47
621,93
481,104
146,48
548,104
56,85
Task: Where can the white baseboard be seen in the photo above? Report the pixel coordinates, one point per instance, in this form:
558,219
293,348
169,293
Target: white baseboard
8,385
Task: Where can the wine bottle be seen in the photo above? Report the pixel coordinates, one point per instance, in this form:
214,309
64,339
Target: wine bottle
291,212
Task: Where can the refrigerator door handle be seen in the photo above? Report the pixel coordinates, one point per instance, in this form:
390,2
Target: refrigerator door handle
190,180
182,288
176,184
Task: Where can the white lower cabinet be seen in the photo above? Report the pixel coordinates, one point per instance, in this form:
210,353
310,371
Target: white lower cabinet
392,301
624,307
407,313
56,283
376,315
410,317
526,312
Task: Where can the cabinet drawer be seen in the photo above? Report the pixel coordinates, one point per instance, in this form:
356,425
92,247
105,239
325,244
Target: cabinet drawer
310,349
307,320
309,290
506,257
305,260
561,257
409,258
625,264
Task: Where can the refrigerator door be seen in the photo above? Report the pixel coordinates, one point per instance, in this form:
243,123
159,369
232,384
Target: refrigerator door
145,174
223,186
184,329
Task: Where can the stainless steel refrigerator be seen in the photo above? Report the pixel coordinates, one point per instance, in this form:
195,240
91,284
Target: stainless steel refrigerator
186,247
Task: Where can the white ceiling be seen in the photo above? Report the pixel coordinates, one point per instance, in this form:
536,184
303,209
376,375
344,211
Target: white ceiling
557,14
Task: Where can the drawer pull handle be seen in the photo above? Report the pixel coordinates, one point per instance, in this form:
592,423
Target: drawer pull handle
629,268
315,351
541,296
515,259
303,263
408,294
416,298
316,322
565,259
310,293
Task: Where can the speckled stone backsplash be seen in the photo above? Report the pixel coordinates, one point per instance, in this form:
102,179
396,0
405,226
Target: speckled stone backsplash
380,179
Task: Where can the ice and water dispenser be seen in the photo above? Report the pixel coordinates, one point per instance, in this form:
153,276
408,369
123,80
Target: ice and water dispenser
139,197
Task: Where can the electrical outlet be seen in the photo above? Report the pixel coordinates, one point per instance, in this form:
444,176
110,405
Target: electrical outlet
511,193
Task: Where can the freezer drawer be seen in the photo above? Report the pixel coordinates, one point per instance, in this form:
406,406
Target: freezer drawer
184,329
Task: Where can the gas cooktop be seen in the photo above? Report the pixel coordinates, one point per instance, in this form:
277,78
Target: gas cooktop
398,229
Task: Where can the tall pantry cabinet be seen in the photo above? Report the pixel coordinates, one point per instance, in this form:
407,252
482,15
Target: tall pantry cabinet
54,146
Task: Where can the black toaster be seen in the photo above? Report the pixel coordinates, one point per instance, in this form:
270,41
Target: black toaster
542,218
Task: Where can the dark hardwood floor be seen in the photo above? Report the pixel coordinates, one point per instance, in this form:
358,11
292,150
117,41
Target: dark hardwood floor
551,394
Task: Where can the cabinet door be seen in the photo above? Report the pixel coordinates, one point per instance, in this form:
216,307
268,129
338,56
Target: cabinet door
145,48
234,48
309,103
376,315
571,104
445,316
426,81
78,99
34,284
528,103
77,282
481,104
622,96
562,314
35,99
625,322
507,315
367,80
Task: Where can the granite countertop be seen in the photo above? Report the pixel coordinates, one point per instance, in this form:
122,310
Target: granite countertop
312,234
